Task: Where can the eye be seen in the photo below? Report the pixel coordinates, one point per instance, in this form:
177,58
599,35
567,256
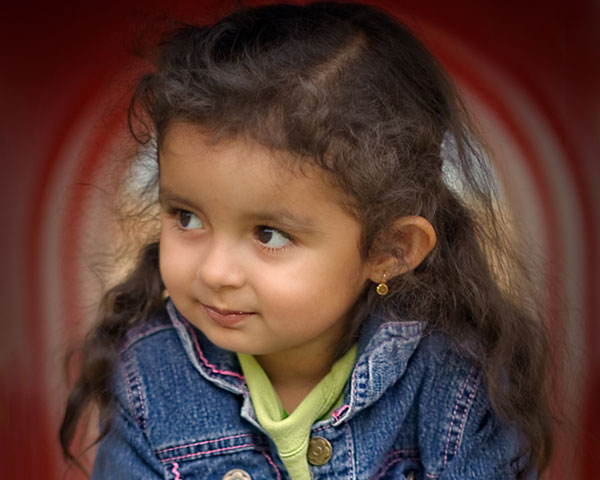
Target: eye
271,237
188,221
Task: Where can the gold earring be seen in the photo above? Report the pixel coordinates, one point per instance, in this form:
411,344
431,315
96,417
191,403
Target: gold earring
382,289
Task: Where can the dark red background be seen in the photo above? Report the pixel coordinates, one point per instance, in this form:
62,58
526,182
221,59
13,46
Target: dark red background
56,60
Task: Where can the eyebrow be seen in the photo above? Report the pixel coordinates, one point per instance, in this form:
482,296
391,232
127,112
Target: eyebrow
168,197
278,217
285,220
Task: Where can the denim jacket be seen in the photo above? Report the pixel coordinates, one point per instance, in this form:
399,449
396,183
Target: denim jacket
413,409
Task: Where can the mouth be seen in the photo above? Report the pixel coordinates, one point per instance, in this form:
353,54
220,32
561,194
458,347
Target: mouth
226,318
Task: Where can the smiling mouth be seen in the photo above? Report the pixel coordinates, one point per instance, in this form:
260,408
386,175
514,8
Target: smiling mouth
226,318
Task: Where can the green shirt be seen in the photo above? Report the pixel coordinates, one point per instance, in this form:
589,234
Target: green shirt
290,433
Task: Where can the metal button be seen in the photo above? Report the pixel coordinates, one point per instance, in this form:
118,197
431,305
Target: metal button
237,474
319,451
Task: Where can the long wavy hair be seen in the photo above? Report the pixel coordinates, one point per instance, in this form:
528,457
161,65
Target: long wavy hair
350,89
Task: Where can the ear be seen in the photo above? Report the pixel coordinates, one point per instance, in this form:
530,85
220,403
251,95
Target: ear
402,247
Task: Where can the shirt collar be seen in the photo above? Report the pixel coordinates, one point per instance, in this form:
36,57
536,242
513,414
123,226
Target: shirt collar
384,349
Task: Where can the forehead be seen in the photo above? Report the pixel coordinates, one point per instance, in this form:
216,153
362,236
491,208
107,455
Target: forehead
242,170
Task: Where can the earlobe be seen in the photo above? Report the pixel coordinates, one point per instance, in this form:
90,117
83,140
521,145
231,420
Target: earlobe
414,237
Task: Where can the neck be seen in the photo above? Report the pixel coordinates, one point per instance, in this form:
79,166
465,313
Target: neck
295,373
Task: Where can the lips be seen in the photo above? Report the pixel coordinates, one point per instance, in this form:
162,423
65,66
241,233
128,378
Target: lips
226,318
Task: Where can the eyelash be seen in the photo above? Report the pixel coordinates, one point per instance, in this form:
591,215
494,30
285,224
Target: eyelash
273,250
174,213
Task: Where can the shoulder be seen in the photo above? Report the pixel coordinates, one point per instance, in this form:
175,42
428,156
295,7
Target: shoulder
444,369
153,343
148,330
460,434
167,372
451,387
150,355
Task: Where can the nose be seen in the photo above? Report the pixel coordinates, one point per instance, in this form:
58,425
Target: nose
220,265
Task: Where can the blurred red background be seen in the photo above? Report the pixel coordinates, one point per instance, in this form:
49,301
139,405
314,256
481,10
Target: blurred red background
530,70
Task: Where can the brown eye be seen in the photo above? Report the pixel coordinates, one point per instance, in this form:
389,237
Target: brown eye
271,237
188,221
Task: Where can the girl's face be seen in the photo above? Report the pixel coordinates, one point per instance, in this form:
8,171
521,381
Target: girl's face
261,260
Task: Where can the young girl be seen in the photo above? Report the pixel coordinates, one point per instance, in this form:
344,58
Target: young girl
332,294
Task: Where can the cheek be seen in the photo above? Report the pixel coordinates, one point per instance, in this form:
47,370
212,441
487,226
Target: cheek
323,287
165,263
174,268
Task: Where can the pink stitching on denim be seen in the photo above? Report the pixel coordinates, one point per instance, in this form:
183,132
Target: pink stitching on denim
205,361
352,385
396,459
409,451
320,429
204,442
430,475
207,452
462,390
464,416
129,393
137,384
338,413
350,459
175,471
272,463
